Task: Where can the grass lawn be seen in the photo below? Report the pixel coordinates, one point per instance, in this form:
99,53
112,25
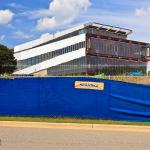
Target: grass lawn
71,120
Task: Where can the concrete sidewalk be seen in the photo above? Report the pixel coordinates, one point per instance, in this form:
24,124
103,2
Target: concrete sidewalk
100,127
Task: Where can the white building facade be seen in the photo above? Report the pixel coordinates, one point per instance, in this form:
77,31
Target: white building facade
50,51
82,49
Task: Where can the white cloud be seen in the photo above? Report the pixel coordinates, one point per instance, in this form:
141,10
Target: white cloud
15,5
142,12
2,37
46,23
5,16
21,35
63,12
139,25
36,14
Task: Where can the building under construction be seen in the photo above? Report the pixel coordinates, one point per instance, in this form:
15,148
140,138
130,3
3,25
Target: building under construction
90,49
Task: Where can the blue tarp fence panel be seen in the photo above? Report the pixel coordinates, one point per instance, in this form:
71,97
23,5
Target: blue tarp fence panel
57,96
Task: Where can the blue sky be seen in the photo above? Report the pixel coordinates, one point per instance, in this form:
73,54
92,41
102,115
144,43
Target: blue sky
22,21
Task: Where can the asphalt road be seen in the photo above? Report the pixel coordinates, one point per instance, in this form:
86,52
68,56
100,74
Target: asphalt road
12,138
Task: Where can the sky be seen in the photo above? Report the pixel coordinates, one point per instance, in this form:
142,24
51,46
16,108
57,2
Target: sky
26,20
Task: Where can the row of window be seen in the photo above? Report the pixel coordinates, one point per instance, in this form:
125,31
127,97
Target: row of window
94,61
71,67
109,47
95,65
111,66
38,59
75,33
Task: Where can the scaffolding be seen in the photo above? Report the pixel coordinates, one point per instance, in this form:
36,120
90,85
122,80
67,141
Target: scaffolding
110,52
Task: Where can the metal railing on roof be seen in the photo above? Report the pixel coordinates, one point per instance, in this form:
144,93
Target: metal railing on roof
110,28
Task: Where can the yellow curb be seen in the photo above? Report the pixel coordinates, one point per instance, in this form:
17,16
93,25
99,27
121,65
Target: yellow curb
45,125
97,127
125,128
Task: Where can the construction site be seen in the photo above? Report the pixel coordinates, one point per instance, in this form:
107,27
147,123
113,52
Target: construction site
108,46
87,49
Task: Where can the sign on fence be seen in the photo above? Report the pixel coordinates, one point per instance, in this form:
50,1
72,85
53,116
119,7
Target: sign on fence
89,85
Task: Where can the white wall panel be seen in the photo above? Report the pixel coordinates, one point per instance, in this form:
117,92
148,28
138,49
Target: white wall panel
53,62
32,44
49,47
43,40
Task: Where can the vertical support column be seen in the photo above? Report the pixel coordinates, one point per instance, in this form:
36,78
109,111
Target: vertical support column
148,58
148,51
87,51
88,43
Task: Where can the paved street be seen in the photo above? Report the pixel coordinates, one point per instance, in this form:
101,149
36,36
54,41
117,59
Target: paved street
13,138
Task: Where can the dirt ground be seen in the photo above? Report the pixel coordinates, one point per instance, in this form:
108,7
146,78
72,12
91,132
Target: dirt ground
138,80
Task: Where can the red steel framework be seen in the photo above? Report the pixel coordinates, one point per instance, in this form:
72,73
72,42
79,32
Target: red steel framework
114,34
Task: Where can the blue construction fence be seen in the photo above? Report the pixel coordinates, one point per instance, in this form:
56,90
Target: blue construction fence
58,97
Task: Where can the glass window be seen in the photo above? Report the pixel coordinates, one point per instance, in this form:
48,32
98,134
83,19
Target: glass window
65,50
29,62
69,48
81,31
32,61
72,48
36,60
40,58
75,47
56,53
80,45
46,56
50,55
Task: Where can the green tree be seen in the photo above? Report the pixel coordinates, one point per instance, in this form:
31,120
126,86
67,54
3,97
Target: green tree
7,60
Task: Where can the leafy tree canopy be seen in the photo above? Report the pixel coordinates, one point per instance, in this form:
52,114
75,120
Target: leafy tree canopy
7,60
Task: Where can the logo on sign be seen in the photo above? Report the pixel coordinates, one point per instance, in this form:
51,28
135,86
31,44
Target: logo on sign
89,85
